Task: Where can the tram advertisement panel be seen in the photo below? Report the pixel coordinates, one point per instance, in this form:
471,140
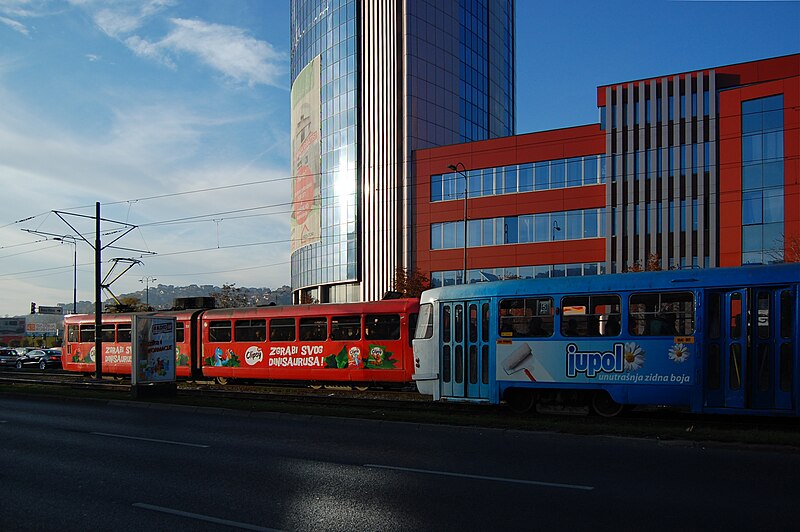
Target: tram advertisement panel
597,361
318,356
153,349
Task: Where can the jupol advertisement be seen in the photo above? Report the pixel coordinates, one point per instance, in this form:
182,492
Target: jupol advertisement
603,362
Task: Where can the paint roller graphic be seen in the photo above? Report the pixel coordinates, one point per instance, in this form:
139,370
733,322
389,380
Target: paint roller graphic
519,360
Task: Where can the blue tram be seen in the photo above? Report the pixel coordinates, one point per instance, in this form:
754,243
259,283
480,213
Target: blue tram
721,340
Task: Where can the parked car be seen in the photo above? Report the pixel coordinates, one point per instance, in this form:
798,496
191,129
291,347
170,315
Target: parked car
8,356
40,357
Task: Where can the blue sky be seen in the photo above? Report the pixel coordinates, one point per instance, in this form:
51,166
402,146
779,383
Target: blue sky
119,101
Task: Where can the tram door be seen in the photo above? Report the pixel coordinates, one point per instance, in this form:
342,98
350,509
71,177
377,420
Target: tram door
465,349
751,342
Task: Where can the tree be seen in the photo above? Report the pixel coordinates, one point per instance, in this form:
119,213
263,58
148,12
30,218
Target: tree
791,251
229,296
410,284
653,264
127,304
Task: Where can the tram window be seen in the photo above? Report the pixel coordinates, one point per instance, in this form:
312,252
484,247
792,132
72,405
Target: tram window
661,314
714,315
764,358
219,331
281,330
473,364
446,368
314,329
124,332
383,327
485,322
459,364
446,324
713,367
736,315
787,315
250,330
786,368
87,333
425,322
107,333
180,332
763,318
472,315
485,364
412,325
590,316
346,328
72,333
526,318
459,324
735,367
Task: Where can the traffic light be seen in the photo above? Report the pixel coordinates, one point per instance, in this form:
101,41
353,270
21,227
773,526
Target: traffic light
33,307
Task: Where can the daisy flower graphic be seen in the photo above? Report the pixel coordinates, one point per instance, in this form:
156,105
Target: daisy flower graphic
678,353
633,355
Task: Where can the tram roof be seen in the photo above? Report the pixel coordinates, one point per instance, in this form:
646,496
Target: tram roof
673,280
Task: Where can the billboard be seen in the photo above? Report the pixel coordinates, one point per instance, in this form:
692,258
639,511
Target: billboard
306,222
153,347
12,326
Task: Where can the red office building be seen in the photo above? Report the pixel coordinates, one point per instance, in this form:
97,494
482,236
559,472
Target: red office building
698,169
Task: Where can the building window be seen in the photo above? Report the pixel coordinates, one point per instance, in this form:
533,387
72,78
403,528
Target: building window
762,180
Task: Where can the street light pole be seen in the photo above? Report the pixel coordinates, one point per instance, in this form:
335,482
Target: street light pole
71,240
454,167
147,281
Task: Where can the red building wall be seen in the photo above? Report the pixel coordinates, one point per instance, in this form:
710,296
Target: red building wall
541,146
757,80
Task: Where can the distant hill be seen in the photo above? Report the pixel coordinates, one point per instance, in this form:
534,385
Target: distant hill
162,296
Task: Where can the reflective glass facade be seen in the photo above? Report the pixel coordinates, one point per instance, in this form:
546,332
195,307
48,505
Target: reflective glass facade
327,28
451,277
762,180
396,75
525,229
662,182
461,70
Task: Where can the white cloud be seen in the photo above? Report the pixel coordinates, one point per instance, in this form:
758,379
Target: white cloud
14,25
121,17
227,49
230,50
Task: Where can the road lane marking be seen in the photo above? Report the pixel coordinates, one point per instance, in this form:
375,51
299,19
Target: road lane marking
480,477
150,440
201,517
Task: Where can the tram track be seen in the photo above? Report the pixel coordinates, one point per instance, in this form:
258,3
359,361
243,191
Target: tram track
661,424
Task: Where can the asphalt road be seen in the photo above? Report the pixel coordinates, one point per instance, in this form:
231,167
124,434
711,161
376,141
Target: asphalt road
92,465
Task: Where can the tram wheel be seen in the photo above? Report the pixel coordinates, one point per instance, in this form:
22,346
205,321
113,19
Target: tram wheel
604,406
520,401
222,381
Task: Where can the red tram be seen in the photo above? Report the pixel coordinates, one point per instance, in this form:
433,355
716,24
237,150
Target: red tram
360,344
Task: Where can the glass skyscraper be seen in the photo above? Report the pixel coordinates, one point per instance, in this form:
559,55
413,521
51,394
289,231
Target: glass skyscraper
372,81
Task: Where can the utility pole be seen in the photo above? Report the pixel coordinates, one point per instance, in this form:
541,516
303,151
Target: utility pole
147,280
98,299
